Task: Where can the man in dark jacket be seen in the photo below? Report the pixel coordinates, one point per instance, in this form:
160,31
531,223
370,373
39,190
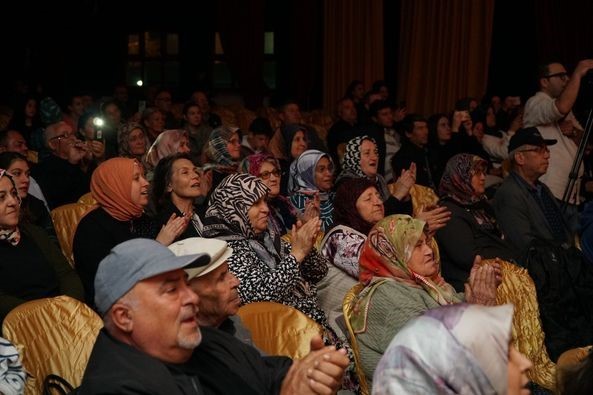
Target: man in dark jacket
149,343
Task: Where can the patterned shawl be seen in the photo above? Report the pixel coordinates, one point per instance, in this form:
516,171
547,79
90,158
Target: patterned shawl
456,182
167,143
351,166
458,349
13,235
227,215
385,255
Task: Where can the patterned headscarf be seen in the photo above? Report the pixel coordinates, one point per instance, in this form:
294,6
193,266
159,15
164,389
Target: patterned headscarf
351,165
227,216
458,349
302,171
217,146
385,255
111,188
167,143
456,182
13,235
253,163
123,139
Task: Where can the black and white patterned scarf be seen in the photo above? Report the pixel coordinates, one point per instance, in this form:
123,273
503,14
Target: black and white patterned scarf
351,165
227,215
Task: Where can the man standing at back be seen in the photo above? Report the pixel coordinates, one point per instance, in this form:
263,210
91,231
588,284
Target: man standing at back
550,110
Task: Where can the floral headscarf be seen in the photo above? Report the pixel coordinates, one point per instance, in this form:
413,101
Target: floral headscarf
456,182
458,349
111,188
167,143
123,139
345,211
11,236
385,254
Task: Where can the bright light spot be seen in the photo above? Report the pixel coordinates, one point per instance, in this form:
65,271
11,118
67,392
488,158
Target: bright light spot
139,83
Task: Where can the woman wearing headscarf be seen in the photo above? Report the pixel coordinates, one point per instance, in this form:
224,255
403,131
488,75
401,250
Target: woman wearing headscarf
361,160
283,214
132,141
472,229
461,349
311,180
403,280
295,138
269,268
167,143
223,151
357,207
121,191
33,210
31,266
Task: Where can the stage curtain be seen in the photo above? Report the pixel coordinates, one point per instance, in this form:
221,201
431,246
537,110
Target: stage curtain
353,46
444,52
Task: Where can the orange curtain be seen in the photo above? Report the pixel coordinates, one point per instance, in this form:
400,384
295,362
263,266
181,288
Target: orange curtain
352,47
444,52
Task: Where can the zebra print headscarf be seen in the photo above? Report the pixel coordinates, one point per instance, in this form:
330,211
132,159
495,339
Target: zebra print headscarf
227,216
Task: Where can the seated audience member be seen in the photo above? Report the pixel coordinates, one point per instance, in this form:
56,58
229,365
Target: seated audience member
132,141
461,349
150,340
61,176
12,374
574,377
33,210
153,121
343,130
121,191
257,138
358,206
210,118
32,266
197,129
175,188
13,141
92,135
167,143
362,160
295,141
442,143
415,149
26,116
224,152
472,229
283,215
525,208
269,268
311,180
403,280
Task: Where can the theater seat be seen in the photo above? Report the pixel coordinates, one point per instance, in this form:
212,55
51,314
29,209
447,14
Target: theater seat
278,329
87,198
347,307
56,335
528,336
66,219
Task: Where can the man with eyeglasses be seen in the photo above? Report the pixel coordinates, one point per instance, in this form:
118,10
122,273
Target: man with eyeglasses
525,208
550,111
61,175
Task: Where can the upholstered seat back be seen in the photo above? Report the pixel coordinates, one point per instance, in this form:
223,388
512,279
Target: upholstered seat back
56,335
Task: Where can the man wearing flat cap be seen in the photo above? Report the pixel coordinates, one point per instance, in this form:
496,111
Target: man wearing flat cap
525,207
149,344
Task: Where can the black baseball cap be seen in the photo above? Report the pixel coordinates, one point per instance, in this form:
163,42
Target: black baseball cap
528,136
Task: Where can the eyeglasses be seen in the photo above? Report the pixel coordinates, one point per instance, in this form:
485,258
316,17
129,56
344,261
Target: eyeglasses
540,150
264,175
563,75
66,135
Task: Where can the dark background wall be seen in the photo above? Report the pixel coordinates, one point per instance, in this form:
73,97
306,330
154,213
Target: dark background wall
87,48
